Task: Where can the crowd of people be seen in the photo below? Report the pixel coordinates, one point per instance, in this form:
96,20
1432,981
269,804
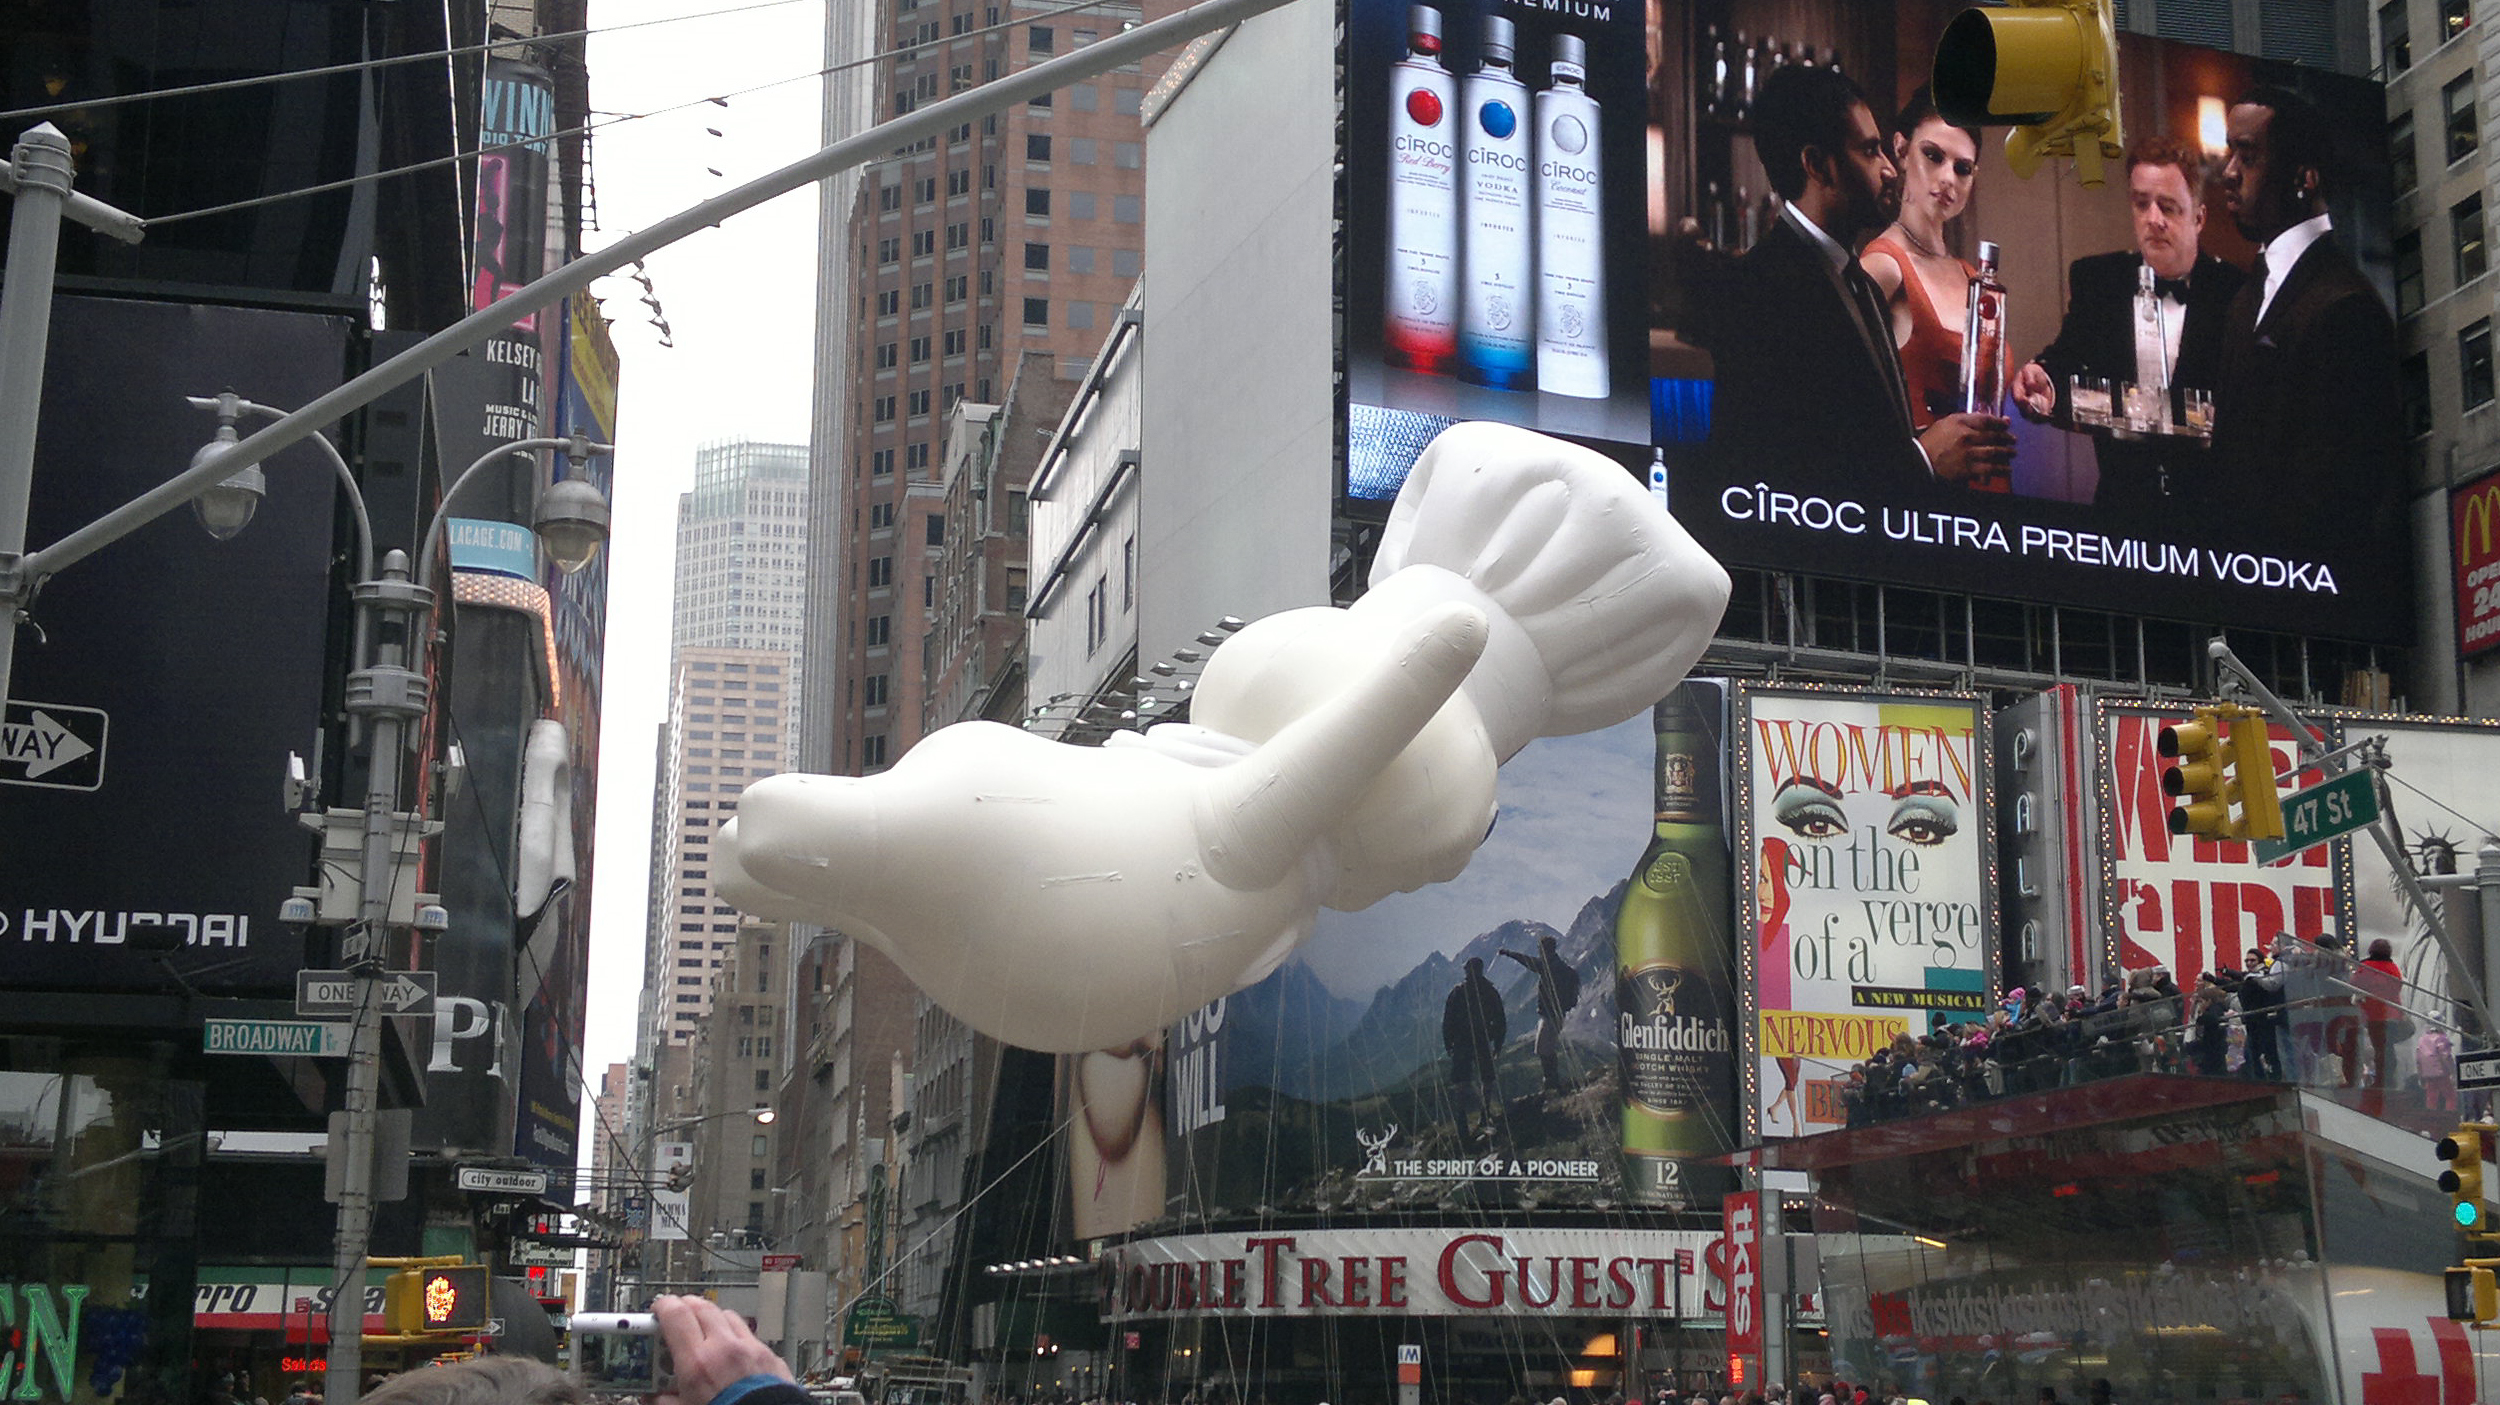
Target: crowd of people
2234,1022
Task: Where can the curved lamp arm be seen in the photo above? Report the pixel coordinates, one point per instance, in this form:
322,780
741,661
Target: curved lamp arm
231,405
576,446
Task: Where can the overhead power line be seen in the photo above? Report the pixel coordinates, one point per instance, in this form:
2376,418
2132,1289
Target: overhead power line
369,65
413,167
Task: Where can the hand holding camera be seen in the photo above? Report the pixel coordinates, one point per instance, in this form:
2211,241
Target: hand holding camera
685,1351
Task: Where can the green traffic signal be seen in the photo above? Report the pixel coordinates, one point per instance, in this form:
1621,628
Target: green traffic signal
2466,1150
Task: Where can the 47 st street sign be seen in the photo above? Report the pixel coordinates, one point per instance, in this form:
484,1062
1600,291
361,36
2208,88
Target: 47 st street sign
2328,810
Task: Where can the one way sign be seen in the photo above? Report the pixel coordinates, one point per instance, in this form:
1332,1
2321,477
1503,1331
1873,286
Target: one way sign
53,746
340,992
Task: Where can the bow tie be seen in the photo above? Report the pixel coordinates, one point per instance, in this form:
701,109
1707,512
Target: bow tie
2175,289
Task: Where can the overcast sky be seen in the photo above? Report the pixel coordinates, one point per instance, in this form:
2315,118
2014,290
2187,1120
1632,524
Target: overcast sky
739,301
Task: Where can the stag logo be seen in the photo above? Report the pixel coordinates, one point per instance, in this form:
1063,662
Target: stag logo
1655,990
1375,1149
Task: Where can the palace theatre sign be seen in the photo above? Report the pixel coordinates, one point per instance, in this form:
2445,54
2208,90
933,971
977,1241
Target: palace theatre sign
1414,1272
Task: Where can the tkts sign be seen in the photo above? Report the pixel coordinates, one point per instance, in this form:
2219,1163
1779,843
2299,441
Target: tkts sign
2474,542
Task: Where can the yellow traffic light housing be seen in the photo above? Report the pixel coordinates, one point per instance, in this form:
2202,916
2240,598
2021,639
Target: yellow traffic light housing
2049,68
2467,1150
403,1301
2473,1293
2252,766
2201,781
2224,779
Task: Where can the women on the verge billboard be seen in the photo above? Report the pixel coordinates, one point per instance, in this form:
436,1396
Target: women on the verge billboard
1866,838
1731,245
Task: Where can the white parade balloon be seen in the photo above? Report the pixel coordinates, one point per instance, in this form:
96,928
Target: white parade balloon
1068,898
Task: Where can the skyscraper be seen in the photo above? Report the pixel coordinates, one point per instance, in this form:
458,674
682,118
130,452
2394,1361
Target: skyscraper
733,694
727,724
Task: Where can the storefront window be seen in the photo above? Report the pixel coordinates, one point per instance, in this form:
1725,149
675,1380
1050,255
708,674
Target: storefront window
2174,1258
99,1162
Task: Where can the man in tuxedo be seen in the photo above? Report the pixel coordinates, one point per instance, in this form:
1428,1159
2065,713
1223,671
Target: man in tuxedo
2305,407
1809,394
2166,191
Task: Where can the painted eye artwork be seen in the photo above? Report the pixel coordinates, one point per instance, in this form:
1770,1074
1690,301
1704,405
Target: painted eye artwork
1809,809
1925,816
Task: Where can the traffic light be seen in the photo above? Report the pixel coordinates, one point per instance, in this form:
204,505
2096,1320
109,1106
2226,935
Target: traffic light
2473,1294
2047,67
681,1175
2466,1150
455,1299
2252,776
403,1301
2202,778
2224,779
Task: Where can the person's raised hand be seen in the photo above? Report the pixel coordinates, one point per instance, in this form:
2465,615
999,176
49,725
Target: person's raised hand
710,1348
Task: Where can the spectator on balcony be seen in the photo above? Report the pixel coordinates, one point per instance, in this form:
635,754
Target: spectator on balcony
2211,1040
2383,984
2261,1008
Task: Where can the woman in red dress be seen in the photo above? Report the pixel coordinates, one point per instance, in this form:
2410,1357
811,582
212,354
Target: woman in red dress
1925,286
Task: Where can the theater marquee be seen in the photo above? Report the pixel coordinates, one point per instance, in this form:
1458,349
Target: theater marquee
1420,1272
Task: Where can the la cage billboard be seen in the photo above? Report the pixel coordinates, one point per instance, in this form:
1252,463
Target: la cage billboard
1559,216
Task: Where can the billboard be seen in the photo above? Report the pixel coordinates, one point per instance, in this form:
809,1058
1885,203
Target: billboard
2187,903
2438,789
172,674
1865,834
1457,1040
1804,385
2474,563
555,951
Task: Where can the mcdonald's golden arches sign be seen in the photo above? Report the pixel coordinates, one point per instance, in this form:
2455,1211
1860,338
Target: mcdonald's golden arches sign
2474,532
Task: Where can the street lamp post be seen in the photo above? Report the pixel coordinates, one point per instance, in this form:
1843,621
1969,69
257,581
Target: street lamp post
389,698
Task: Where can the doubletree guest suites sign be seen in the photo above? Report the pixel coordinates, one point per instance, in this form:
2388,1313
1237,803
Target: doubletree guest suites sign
1421,1272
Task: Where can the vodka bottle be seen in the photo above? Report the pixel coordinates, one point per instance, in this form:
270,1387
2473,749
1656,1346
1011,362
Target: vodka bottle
1983,338
1658,476
1675,1009
1718,215
1570,233
1420,306
1495,332
1741,100
2152,340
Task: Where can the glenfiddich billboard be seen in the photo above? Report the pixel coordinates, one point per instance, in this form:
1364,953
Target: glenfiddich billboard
1564,216
2474,538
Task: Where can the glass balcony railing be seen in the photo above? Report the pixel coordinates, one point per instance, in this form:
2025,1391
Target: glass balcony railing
2318,1021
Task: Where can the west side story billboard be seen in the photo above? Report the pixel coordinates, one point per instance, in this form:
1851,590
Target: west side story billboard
1558,215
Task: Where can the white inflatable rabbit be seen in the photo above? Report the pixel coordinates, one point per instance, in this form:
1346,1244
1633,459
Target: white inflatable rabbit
1066,898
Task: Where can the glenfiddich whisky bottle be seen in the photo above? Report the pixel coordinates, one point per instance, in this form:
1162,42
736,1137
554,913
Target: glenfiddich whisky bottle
1675,1006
